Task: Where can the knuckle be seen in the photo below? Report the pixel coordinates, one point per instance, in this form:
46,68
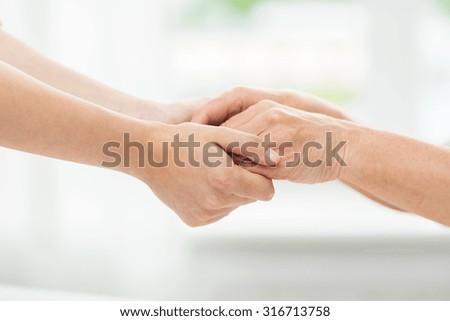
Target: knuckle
270,193
206,215
273,115
211,203
193,223
226,124
220,179
236,94
266,103
238,90
228,211
261,107
287,97
199,218
284,175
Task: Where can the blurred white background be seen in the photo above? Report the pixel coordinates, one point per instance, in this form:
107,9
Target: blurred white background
66,227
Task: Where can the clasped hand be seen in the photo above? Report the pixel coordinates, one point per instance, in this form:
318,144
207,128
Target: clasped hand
246,115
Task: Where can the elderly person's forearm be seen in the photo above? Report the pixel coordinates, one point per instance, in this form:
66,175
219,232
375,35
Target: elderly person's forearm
409,174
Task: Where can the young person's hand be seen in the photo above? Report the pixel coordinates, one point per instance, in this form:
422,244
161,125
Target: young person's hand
202,185
39,119
219,109
169,113
182,111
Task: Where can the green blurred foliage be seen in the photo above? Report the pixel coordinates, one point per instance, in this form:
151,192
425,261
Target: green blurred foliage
234,12
445,5
243,5
340,96
237,7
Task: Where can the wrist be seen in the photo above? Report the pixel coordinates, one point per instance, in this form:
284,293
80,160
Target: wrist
357,152
147,110
139,146
170,112
173,112
182,111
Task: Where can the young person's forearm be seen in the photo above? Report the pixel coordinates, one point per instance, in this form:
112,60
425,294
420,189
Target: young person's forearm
411,175
22,57
39,119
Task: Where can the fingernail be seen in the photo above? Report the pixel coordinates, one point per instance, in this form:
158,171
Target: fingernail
273,156
245,163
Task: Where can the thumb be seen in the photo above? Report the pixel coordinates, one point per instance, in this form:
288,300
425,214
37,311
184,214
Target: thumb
216,111
245,144
200,117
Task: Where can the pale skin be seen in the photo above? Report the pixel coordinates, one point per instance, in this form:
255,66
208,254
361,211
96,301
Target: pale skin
19,55
395,170
49,110
53,111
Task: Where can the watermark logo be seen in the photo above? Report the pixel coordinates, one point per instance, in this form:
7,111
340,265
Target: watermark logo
193,153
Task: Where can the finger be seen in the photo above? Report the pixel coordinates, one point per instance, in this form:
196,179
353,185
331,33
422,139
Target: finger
183,110
218,110
213,220
218,216
237,201
256,126
203,223
246,144
247,115
234,101
251,185
268,172
232,203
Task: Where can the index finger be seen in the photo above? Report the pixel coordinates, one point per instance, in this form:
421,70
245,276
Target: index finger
251,185
245,144
218,110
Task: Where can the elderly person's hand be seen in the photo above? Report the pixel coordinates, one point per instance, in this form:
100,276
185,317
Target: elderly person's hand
219,109
313,147
394,170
